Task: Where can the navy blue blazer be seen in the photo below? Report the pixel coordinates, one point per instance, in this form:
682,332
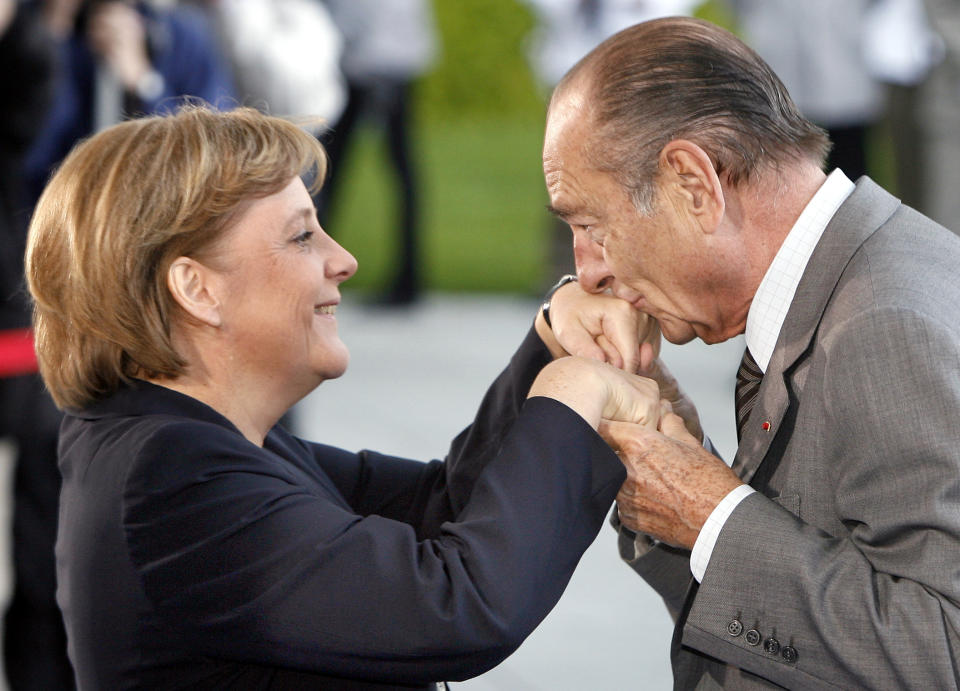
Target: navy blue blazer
189,557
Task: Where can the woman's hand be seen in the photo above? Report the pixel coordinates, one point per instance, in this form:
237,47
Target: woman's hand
600,327
598,391
611,330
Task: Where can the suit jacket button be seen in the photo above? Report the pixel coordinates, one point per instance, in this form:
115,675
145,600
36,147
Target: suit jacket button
790,654
771,645
752,637
735,628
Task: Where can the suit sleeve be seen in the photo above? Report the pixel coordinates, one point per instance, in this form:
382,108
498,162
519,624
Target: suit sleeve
246,563
876,602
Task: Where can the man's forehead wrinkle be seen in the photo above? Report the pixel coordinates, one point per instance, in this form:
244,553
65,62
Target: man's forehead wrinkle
570,141
567,197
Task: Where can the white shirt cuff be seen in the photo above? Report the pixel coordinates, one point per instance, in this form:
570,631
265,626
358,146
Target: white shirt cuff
703,547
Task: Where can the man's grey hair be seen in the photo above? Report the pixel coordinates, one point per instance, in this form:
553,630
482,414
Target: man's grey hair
684,78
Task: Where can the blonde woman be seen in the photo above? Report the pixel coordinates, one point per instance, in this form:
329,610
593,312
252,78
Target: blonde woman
185,298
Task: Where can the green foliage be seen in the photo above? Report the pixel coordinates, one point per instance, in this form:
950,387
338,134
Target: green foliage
483,200
482,68
718,12
479,132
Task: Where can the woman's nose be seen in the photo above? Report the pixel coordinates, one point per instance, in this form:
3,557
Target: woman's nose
341,265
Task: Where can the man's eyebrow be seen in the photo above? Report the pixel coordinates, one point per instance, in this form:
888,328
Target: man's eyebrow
559,212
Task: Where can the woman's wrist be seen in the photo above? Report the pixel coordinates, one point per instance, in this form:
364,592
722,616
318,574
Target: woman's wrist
572,385
546,335
543,323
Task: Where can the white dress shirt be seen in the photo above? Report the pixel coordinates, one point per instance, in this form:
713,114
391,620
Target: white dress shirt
764,321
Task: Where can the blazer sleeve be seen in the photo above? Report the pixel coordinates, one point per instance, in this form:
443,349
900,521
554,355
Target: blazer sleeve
874,603
427,495
243,562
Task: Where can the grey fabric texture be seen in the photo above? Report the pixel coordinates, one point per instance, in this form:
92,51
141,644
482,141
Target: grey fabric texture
849,554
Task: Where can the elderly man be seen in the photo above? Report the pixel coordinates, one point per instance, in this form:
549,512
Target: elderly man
829,554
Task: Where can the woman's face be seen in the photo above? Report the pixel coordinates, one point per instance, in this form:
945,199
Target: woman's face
279,279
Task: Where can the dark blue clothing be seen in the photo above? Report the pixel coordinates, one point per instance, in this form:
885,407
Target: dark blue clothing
182,50
189,557
34,642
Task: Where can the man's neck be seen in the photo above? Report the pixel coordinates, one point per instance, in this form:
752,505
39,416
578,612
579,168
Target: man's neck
769,210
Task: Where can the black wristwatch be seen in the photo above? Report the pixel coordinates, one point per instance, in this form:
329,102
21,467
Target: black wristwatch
545,308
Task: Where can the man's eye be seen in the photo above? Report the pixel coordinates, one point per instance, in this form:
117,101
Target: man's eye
594,235
591,232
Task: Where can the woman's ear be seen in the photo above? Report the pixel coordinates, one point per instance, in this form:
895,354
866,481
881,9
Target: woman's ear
694,182
193,287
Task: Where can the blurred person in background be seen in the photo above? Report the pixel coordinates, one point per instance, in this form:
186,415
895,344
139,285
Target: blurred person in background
387,45
285,55
110,59
565,31
818,49
118,59
186,296
925,118
35,652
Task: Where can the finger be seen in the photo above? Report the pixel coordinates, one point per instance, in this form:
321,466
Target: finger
665,408
579,341
634,515
611,354
649,333
672,425
648,359
621,435
621,331
603,429
626,518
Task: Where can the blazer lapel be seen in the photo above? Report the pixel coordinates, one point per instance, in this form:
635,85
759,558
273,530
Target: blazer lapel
865,210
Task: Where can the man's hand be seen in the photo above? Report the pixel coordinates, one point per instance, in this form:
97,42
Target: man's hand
673,483
604,328
671,392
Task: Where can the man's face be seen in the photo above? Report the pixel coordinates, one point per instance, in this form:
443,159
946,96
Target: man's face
659,263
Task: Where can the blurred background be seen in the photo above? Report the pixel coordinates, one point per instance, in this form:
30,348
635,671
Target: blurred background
432,113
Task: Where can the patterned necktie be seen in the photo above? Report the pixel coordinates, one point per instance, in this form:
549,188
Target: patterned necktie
749,377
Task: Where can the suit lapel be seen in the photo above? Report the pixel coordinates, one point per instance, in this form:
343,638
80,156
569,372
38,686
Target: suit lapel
865,210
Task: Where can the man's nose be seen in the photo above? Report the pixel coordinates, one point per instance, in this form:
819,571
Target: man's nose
592,272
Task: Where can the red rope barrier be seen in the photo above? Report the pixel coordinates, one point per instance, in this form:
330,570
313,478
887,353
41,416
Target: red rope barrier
17,355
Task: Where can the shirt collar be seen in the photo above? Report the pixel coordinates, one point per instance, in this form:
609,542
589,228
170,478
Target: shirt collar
772,300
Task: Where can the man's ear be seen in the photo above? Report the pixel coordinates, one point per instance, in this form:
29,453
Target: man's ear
193,287
689,173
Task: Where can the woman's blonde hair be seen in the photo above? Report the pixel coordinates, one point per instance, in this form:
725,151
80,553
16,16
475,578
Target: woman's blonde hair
122,207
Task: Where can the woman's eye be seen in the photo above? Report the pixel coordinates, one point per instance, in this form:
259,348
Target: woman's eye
304,237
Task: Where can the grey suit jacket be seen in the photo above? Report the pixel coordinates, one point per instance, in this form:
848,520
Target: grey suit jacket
849,555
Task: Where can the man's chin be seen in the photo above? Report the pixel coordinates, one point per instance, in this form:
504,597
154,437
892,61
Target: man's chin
681,340
677,333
